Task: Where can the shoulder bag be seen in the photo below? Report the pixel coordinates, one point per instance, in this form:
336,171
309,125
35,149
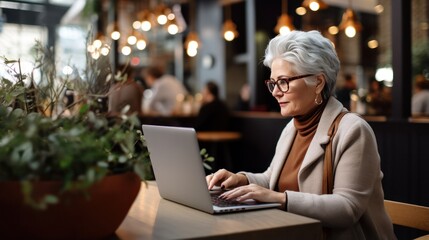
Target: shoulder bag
328,177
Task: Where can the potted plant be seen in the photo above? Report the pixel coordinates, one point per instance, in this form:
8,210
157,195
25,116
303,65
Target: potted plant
62,176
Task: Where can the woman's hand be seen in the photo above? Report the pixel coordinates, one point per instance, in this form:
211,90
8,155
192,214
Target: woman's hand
255,192
225,179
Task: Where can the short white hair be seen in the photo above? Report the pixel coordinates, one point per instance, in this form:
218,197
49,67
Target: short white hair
308,53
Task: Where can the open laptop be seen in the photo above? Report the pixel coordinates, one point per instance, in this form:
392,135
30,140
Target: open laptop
179,170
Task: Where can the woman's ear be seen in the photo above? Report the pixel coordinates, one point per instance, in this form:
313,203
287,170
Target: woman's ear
320,83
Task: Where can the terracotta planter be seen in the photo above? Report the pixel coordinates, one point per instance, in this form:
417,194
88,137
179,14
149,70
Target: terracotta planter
77,216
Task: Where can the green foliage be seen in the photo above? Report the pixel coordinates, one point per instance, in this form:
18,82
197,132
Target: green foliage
34,147
77,151
38,142
206,158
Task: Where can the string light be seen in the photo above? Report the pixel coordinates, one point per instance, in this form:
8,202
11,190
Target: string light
161,14
126,50
145,20
98,47
141,44
172,27
132,39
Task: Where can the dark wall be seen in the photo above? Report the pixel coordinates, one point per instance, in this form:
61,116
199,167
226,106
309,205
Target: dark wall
404,151
258,142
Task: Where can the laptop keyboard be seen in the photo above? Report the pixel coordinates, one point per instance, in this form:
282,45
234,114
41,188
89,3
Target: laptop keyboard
223,202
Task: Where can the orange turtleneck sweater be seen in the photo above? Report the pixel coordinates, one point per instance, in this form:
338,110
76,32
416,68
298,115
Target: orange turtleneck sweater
306,126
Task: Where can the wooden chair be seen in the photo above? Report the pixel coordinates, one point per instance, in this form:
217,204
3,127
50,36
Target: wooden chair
409,215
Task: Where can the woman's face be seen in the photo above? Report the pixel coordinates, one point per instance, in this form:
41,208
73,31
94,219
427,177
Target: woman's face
300,98
206,96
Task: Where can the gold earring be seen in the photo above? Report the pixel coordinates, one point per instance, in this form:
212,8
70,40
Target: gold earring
318,102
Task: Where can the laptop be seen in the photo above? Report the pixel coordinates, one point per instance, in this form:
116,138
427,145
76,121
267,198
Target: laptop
180,174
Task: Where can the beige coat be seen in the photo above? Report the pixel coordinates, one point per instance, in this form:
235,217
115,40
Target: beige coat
355,210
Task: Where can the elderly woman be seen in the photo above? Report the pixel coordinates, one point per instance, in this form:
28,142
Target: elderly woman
304,68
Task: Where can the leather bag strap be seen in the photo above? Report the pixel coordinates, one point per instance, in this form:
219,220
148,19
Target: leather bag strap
328,177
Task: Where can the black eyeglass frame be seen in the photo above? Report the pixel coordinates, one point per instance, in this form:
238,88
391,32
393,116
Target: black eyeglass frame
287,79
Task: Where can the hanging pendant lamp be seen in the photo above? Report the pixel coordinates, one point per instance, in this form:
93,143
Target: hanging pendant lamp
349,23
284,23
314,5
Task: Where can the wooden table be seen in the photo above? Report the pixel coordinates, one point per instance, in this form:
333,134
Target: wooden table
218,136
152,217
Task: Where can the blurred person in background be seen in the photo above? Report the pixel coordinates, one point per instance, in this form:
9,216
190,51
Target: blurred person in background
420,99
243,101
125,96
165,91
214,114
379,99
343,93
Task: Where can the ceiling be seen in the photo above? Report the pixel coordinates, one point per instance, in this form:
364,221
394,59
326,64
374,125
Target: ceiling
23,4
357,5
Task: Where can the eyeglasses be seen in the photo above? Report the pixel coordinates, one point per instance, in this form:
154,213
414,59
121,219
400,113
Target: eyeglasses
283,83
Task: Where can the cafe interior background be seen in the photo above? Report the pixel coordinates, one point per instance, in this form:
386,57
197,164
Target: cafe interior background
390,44
365,52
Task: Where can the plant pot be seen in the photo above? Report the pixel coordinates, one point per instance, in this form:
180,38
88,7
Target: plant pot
92,214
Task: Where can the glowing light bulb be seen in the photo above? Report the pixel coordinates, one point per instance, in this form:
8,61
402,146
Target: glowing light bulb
90,48
162,19
301,11
115,35
173,29
314,6
126,50
192,52
350,31
95,55
193,44
132,40
97,43
141,44
146,26
104,51
333,30
373,44
137,25
229,35
284,30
